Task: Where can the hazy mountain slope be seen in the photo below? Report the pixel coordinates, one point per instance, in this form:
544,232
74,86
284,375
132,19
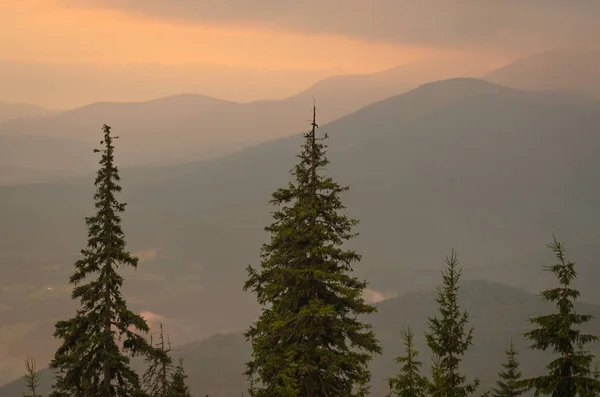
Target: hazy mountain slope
10,111
499,314
193,127
45,152
462,163
573,70
341,95
11,175
37,158
149,131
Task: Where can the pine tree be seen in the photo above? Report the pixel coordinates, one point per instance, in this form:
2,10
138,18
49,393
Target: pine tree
448,339
409,382
32,377
93,359
178,386
308,341
156,379
510,382
570,374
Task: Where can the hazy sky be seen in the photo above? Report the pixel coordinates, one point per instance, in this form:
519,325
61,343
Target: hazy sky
283,44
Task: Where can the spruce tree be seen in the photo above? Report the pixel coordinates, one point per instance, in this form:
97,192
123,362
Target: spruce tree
448,339
510,383
570,373
436,386
93,359
409,382
178,386
159,363
308,341
32,377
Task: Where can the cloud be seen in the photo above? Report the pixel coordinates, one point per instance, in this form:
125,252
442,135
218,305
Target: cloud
438,23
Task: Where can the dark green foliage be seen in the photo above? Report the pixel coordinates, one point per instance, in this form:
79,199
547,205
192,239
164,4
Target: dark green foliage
308,341
92,359
570,373
510,382
595,375
32,378
437,385
178,386
448,339
409,382
159,368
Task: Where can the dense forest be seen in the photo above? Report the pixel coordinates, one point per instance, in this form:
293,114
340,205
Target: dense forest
313,337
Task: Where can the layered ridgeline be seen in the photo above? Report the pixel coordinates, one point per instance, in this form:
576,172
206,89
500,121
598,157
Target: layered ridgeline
11,111
464,163
191,127
571,70
499,313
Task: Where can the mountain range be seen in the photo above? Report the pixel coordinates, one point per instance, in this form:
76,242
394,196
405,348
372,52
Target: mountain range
462,163
191,127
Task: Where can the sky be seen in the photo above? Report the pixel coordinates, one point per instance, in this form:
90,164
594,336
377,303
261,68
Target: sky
62,53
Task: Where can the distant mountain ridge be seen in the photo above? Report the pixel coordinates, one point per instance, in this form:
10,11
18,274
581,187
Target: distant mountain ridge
191,127
570,70
9,111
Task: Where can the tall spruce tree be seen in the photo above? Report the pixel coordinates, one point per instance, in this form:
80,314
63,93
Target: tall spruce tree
308,341
510,383
159,368
570,374
178,386
93,359
409,382
448,339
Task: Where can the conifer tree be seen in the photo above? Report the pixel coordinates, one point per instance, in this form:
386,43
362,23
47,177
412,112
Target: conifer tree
570,373
32,377
93,359
390,383
436,386
308,341
448,339
178,386
156,379
510,383
595,375
409,382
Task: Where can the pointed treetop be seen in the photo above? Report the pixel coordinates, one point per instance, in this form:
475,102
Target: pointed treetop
570,372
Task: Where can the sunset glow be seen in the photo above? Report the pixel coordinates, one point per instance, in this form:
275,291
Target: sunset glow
41,30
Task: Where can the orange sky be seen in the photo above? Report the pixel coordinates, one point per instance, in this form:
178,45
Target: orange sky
43,31
62,57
